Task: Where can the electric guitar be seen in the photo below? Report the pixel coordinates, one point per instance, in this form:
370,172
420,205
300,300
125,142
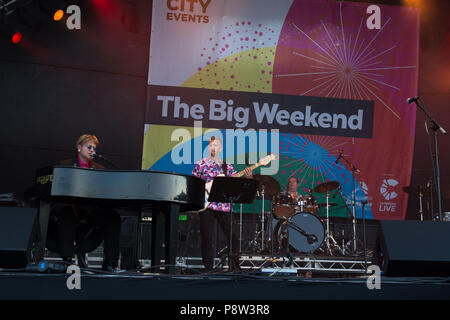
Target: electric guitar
262,162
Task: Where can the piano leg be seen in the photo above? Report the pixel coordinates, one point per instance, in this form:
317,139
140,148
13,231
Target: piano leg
157,239
172,238
165,237
44,214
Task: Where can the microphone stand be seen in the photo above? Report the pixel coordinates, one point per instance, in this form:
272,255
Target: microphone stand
436,172
354,170
363,203
430,199
262,219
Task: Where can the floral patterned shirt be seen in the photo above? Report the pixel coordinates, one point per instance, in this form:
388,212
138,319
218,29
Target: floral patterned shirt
207,169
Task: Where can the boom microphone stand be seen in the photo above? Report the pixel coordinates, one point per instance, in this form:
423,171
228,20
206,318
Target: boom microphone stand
105,160
418,101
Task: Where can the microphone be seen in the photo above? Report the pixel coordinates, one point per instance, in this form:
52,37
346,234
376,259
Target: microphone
106,161
96,155
412,99
436,126
311,238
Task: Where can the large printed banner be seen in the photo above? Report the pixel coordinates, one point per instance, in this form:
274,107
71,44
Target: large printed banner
322,84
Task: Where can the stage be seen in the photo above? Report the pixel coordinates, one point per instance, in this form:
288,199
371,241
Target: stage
332,109
263,284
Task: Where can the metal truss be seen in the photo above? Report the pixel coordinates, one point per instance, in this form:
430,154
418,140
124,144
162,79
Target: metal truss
309,263
280,264
350,265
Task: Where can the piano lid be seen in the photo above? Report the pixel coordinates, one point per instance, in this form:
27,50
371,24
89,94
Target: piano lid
123,185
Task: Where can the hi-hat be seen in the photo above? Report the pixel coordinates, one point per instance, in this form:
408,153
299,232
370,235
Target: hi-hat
326,187
270,185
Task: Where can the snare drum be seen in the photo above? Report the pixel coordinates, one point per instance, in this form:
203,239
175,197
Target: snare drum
306,204
300,204
311,205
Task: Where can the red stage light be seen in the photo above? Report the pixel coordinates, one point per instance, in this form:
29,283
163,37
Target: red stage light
105,6
17,36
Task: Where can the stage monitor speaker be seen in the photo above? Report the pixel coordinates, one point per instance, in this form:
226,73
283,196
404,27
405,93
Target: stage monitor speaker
413,248
20,237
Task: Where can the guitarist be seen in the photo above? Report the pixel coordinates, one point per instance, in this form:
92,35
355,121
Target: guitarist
207,169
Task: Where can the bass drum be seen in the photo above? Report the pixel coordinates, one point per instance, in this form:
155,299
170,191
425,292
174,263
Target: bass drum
304,232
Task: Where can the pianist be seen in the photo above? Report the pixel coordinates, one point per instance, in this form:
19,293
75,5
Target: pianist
82,228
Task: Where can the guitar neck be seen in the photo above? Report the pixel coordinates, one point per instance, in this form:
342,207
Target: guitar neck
253,167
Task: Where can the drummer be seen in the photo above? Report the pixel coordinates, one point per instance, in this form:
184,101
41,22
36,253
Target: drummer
302,202
292,188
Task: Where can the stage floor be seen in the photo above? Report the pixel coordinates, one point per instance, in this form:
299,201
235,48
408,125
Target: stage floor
224,286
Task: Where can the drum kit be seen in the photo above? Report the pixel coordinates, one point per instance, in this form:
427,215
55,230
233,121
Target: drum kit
295,224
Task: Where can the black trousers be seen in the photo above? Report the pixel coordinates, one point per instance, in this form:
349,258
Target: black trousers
87,228
207,219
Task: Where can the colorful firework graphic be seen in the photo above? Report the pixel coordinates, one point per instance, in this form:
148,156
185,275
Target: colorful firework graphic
328,51
345,62
238,58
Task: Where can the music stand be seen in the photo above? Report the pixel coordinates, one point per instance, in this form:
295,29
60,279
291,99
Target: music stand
232,190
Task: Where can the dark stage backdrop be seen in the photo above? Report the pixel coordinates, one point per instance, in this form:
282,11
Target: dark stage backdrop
58,84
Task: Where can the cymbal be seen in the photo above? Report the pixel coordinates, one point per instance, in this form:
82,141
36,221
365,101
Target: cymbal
415,190
271,186
327,186
330,204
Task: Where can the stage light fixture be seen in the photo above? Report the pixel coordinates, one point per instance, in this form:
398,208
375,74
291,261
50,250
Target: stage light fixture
58,15
412,3
9,29
54,8
16,37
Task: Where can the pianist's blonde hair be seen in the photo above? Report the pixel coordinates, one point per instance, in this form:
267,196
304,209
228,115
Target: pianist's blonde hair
85,138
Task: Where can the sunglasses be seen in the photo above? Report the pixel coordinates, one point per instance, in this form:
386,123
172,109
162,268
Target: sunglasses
92,147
